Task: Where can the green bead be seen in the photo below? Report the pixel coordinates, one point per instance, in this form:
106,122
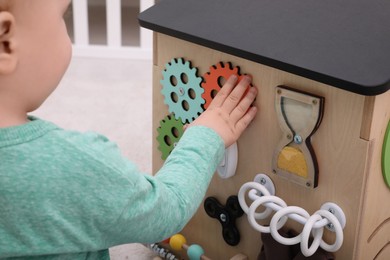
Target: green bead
194,252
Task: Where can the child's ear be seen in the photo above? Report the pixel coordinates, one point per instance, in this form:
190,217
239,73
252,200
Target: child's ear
8,57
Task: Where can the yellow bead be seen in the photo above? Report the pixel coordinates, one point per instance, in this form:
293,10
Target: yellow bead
177,241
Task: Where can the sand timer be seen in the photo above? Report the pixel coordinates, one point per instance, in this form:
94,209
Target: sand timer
299,115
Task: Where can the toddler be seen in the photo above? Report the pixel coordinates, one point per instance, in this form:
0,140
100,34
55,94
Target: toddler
71,195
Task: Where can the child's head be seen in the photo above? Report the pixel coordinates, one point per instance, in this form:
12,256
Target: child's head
35,52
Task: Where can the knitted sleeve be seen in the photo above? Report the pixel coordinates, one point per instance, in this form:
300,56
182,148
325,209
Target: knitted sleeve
65,192
109,202
162,205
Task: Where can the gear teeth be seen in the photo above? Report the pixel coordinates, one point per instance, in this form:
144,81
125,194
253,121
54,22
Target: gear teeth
169,133
177,96
212,84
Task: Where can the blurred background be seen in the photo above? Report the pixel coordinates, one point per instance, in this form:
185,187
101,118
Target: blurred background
108,86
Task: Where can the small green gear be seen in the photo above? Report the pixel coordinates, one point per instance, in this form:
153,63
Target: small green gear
182,90
169,133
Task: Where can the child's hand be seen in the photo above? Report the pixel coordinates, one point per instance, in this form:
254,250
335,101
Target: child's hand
230,112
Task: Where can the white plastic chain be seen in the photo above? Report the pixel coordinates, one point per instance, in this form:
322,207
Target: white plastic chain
261,192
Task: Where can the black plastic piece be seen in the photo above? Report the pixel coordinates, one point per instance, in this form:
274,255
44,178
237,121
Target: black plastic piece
227,216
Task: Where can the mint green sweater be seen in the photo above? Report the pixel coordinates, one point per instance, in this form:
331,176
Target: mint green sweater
71,195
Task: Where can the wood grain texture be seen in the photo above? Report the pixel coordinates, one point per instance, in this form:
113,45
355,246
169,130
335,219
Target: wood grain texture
349,166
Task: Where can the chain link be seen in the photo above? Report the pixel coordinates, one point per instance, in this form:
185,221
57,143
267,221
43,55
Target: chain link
313,224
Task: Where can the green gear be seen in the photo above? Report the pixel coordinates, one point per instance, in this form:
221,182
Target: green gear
169,133
182,90
386,156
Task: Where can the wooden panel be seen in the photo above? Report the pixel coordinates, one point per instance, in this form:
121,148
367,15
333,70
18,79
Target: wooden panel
369,104
340,151
384,253
375,221
159,112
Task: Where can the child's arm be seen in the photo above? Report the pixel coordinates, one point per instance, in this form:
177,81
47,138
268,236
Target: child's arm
174,194
76,192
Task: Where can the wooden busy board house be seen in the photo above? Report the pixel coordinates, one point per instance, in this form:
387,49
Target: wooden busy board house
323,73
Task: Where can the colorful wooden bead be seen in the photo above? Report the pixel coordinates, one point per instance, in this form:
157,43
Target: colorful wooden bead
177,242
195,252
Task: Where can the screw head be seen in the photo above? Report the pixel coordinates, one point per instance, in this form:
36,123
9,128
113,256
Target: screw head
298,139
223,217
181,91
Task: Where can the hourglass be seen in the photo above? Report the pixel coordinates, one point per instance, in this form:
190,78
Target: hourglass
299,116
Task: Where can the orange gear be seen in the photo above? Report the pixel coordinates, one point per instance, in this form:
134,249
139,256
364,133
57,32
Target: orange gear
215,78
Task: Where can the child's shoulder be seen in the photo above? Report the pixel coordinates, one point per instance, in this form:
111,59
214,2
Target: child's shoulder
90,147
58,139
86,140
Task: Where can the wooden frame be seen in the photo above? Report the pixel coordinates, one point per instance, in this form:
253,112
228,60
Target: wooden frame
304,146
348,147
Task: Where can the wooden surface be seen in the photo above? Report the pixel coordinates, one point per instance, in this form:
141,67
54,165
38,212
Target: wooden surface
374,238
349,164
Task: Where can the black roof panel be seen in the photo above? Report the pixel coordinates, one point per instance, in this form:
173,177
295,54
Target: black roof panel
343,43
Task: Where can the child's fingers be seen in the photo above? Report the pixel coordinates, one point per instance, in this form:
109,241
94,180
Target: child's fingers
224,92
235,96
242,108
243,123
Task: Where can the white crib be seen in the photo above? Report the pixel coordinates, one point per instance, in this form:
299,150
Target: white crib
113,47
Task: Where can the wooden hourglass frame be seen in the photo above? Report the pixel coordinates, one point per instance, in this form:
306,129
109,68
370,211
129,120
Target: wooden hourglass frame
299,115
